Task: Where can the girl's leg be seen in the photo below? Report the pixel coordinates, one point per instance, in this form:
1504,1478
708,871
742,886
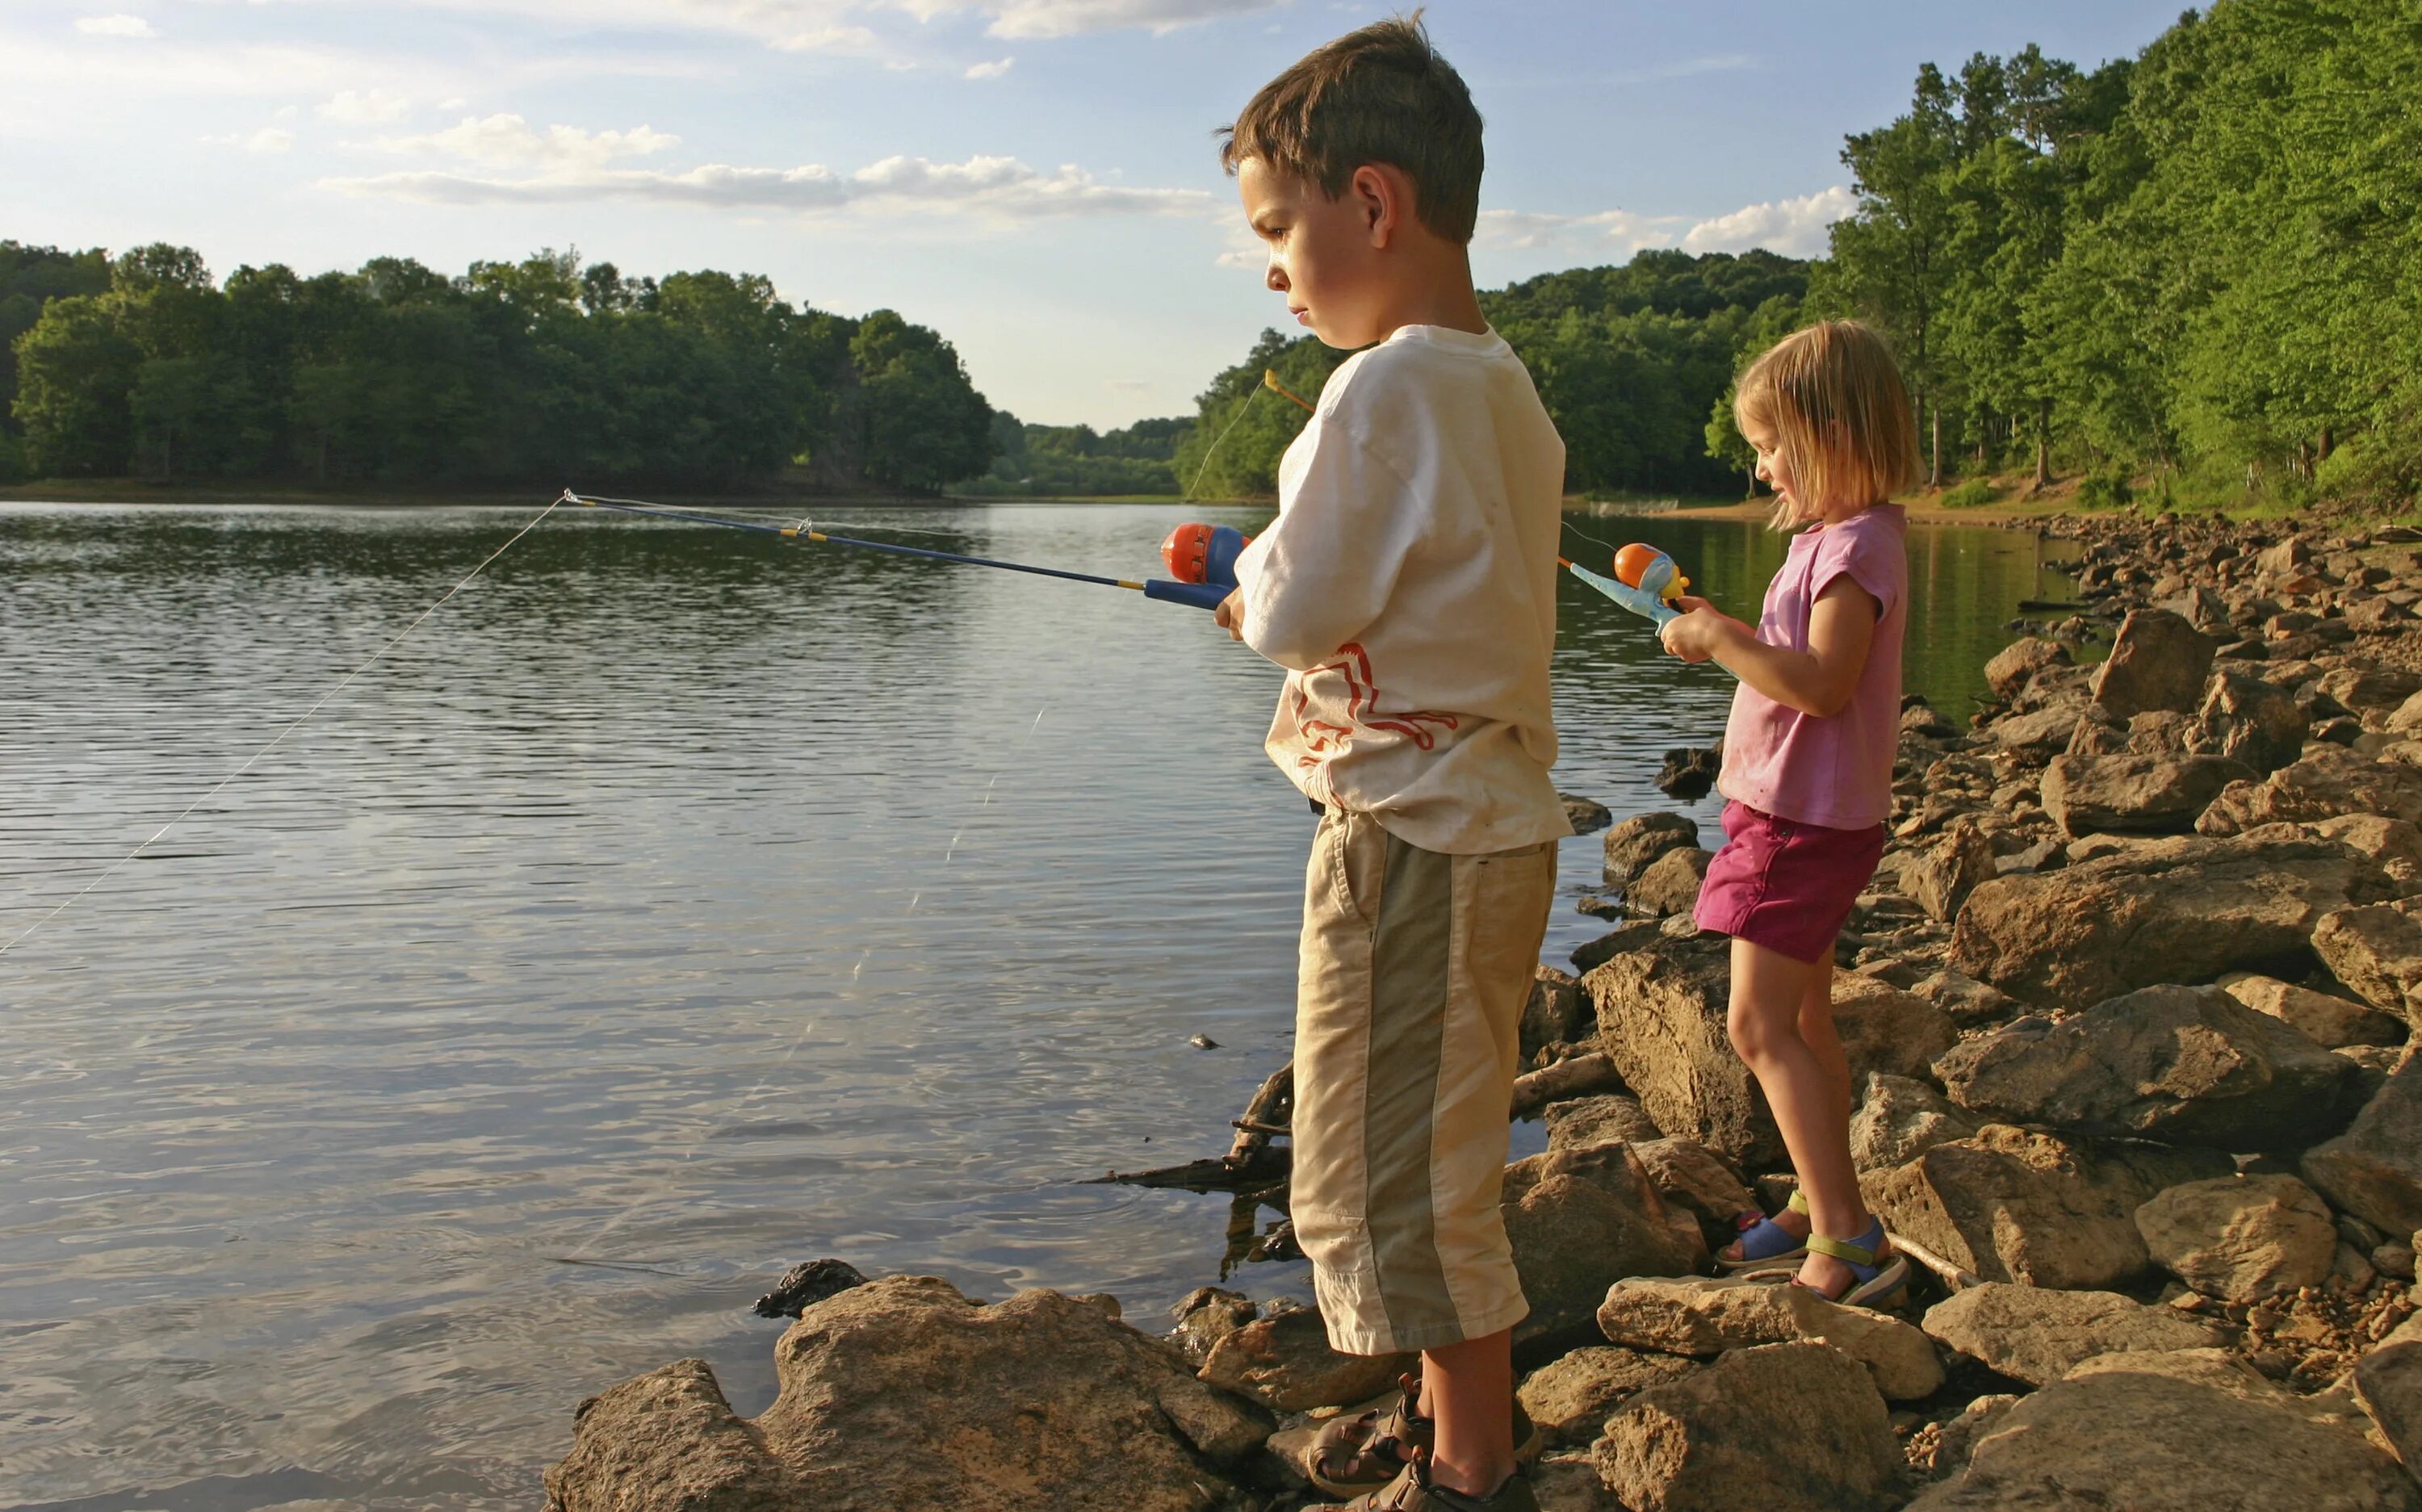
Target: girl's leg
1775,1011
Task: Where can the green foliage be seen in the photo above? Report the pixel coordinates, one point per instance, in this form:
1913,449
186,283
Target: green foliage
537,371
1974,493
2107,487
1241,429
1076,461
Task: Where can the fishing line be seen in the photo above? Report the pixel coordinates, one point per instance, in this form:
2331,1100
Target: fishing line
273,740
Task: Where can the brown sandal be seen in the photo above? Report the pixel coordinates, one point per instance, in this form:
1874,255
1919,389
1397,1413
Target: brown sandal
1368,1451
1412,1492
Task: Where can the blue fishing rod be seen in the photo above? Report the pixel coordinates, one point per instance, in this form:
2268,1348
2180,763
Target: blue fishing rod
1200,594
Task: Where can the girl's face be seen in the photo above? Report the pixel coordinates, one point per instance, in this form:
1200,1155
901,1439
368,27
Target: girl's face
1773,467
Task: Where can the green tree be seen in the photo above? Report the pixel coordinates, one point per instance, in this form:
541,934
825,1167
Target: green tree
75,374
923,422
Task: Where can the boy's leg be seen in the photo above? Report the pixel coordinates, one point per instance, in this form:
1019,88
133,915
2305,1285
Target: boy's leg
1466,1387
1415,969
1772,995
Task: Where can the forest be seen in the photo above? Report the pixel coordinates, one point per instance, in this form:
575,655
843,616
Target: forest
2193,275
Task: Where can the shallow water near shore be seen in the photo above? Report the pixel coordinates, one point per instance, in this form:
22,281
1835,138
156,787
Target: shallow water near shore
672,907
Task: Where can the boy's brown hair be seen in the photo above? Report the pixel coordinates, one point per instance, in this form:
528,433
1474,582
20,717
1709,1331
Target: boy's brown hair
1379,95
1831,399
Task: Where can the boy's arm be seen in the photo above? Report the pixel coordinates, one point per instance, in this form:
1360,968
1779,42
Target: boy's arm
1325,569
1818,681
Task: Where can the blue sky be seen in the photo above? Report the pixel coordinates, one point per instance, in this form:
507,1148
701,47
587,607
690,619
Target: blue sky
1034,177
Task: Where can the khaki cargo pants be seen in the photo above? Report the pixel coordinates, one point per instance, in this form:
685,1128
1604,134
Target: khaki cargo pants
1415,968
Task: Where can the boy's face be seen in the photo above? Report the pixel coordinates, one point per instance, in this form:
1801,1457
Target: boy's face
1324,252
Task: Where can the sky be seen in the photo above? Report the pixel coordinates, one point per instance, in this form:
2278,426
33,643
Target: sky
1037,180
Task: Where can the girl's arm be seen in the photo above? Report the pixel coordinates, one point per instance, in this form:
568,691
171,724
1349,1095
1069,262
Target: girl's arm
1818,681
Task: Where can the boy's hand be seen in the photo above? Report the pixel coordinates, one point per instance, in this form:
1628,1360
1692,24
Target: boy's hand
1230,615
1699,631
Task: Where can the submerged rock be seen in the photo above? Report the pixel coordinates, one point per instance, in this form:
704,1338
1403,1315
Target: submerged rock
1691,771
804,1285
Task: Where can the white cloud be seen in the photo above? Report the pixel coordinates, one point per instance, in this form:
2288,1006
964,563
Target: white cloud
364,107
114,26
1795,227
1614,233
991,71
850,40
508,141
1073,18
269,139
999,188
1689,67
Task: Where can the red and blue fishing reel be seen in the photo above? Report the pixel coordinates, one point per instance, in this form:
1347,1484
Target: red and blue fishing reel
1203,558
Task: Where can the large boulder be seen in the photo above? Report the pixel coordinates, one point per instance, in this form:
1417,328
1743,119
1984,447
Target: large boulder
1886,1029
2394,844
2012,1205
1580,1221
2328,1021
1709,1316
2014,665
1632,844
2039,734
2388,1387
1689,1176
902,1393
2038,1335
1660,1019
1669,884
2175,909
2326,782
2189,1066
2377,952
2135,794
1284,1361
2240,1238
1571,1396
1608,1118
2374,1170
1940,877
2371,688
1899,1119
2121,1434
2157,661
2249,720
1784,1427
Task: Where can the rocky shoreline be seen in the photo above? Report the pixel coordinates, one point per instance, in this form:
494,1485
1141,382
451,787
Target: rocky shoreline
2129,1005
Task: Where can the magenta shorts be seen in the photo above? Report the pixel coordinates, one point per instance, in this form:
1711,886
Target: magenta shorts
1786,885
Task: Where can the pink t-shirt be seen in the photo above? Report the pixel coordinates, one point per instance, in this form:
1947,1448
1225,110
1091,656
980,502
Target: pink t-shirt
1836,772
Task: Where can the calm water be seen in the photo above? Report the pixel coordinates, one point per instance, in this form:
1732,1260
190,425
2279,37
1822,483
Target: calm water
672,907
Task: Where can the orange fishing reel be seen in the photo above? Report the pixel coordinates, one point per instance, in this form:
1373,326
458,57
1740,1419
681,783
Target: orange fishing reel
1198,553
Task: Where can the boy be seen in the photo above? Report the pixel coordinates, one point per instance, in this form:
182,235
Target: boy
1409,586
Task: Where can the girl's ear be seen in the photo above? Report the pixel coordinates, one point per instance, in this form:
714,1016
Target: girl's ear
1379,197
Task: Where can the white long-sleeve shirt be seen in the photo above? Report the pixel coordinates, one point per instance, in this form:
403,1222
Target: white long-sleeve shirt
1409,586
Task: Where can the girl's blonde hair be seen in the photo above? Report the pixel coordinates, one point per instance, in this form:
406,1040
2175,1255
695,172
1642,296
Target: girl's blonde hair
1831,397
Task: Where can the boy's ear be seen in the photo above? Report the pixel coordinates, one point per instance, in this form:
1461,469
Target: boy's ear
1383,198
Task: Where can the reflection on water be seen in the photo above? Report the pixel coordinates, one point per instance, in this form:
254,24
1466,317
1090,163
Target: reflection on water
672,907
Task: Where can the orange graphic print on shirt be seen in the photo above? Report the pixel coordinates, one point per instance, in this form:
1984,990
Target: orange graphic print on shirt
1325,738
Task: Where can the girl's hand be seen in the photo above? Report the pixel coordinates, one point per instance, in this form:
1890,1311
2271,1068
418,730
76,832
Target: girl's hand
1698,633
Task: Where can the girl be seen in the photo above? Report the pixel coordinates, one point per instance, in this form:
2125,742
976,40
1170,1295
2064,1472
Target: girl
1808,760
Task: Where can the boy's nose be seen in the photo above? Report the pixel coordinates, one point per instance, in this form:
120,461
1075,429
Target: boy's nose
1276,278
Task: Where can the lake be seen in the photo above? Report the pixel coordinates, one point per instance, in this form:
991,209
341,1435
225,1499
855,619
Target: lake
672,907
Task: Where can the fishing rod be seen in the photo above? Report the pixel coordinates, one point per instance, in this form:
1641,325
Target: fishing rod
1201,595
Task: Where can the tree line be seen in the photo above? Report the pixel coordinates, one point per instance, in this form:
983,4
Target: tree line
537,371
